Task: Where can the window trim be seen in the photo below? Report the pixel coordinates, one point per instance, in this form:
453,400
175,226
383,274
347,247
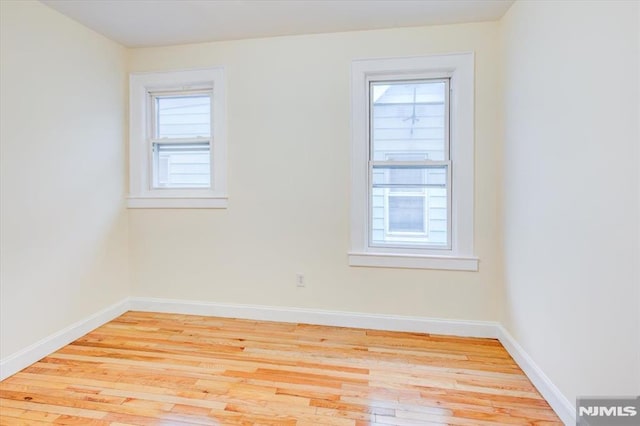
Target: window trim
459,68
142,86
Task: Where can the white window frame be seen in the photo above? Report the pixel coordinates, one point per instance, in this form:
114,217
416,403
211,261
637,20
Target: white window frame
142,87
156,141
459,69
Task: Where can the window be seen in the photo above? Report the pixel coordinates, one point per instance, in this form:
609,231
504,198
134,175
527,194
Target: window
412,163
181,139
177,140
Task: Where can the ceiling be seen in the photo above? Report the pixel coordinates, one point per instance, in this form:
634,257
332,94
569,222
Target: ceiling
139,23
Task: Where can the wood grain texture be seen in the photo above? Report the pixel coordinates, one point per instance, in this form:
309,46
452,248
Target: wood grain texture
166,369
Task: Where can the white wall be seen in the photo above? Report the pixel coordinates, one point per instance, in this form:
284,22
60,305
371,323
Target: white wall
289,135
63,231
571,188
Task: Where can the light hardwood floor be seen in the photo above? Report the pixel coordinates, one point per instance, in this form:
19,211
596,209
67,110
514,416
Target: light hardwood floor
166,369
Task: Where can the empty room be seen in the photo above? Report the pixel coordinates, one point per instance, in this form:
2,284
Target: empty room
315,212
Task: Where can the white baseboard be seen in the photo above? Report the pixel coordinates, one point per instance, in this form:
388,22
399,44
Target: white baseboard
463,328
319,317
33,353
487,329
560,404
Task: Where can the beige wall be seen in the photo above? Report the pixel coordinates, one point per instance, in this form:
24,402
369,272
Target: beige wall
571,188
289,135
557,183
63,224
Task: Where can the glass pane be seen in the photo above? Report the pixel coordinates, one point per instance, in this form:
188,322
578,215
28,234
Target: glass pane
408,117
409,205
406,213
183,116
182,165
409,176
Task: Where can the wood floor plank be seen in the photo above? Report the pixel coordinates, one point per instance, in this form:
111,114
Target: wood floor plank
168,369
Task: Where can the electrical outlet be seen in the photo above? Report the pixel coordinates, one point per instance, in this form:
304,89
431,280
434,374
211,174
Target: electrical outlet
300,280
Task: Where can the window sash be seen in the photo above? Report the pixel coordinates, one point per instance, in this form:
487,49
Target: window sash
153,141
408,80
152,105
177,141
376,164
195,147
390,243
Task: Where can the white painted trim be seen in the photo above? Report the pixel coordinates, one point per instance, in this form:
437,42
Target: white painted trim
33,353
177,203
464,328
389,260
140,84
459,67
560,404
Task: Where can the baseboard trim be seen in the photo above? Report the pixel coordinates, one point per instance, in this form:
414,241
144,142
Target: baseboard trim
35,352
463,328
320,317
560,404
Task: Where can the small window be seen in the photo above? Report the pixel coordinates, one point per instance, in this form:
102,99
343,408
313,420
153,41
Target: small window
412,163
181,126
177,142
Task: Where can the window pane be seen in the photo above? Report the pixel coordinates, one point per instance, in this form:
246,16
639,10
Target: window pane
183,116
409,205
409,218
406,213
182,165
409,176
408,117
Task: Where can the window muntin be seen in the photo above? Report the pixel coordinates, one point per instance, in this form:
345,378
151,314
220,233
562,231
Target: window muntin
181,128
409,163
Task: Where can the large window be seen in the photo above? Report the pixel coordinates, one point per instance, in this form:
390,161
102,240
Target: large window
412,163
177,141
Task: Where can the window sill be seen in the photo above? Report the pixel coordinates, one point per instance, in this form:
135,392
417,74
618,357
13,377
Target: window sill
177,203
386,260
